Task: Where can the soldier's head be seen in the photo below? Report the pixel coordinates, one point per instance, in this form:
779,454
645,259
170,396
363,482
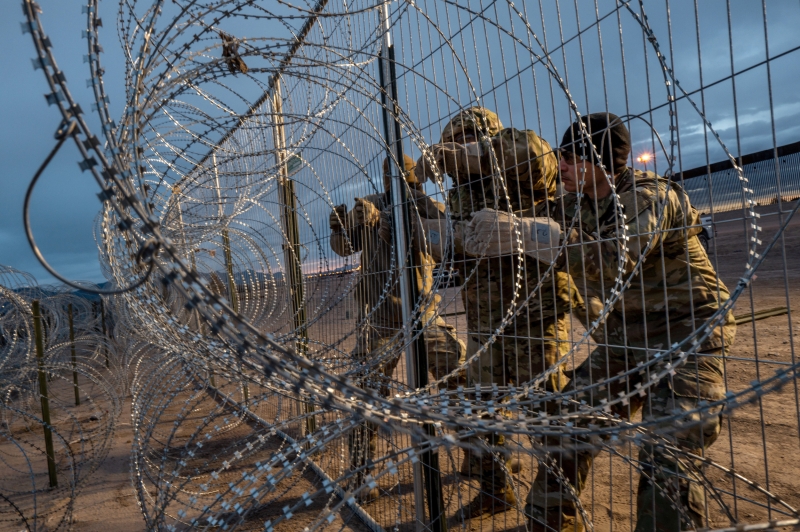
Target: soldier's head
408,174
611,141
471,125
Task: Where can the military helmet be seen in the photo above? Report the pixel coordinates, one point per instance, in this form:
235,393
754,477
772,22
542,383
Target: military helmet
479,120
408,169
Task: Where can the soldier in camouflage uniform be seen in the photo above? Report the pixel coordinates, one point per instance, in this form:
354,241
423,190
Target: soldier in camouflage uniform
510,170
377,295
672,293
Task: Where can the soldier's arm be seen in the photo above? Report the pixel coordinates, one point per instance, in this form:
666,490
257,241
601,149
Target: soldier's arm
348,228
433,236
614,251
344,241
523,156
441,236
453,159
493,233
518,154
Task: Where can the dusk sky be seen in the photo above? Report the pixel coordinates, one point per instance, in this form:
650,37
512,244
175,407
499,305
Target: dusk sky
65,203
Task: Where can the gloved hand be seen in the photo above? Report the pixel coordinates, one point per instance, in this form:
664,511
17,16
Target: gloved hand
449,158
385,229
366,213
337,217
494,233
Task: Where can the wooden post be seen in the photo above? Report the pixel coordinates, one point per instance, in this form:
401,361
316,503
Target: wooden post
74,359
48,434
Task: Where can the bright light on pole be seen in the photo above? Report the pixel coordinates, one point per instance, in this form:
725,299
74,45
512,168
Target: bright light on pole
643,158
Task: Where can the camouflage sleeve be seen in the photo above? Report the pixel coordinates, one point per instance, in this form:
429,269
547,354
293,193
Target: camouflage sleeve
524,156
612,252
349,239
441,237
346,241
426,206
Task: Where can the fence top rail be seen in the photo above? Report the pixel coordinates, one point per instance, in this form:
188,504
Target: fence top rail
763,155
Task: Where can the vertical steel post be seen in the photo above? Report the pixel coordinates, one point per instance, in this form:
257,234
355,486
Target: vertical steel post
175,191
72,355
194,313
105,336
233,294
408,267
48,434
291,227
226,241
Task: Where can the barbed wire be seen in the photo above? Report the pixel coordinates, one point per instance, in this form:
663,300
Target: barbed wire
218,256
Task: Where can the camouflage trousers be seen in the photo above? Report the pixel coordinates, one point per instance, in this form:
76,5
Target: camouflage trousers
512,360
445,351
664,483
516,359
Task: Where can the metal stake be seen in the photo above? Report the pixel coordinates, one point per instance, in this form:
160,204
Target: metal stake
226,242
74,359
288,201
233,295
48,435
195,314
427,470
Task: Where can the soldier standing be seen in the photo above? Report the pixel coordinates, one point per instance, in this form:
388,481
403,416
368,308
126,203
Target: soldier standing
509,170
672,290
378,297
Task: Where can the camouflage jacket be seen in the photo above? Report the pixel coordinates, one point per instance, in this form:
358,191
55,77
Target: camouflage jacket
672,292
518,171
378,288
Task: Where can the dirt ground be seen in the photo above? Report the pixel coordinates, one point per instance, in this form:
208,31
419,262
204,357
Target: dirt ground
759,441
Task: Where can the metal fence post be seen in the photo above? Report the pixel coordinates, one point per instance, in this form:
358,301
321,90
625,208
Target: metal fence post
48,434
408,264
73,357
194,314
233,294
226,241
291,227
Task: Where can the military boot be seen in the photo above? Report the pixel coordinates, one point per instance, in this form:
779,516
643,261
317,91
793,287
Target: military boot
468,470
495,494
471,465
556,519
486,503
368,495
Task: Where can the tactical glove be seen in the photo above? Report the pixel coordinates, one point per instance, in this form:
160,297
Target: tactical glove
338,215
386,226
494,233
366,213
450,158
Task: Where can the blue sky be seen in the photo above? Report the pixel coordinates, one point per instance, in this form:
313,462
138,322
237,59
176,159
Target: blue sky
65,205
